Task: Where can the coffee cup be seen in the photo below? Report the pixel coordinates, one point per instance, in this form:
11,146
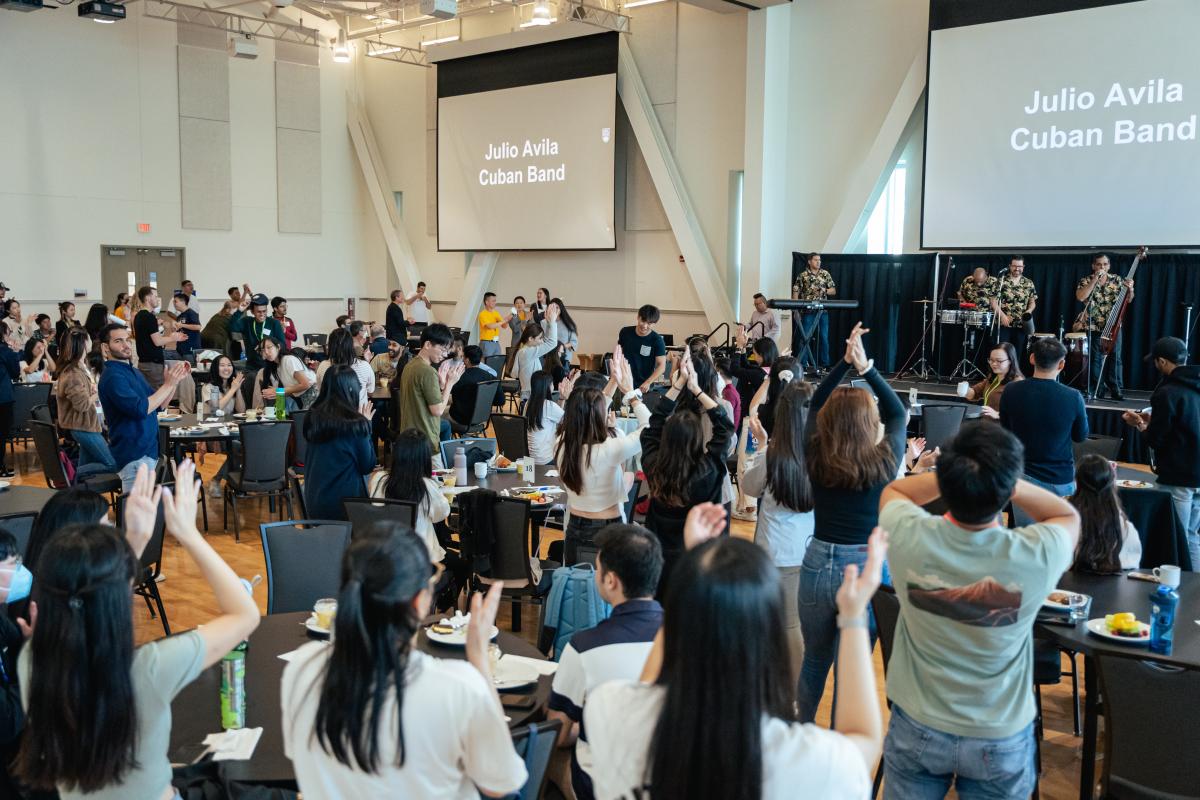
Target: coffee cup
269,412
963,388
325,610
481,469
1168,575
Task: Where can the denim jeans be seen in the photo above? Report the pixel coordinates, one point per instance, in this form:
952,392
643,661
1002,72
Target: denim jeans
1187,506
94,455
820,321
1020,518
820,577
582,531
128,473
920,763
490,348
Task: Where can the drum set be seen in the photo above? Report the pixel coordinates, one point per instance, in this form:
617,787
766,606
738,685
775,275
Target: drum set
973,321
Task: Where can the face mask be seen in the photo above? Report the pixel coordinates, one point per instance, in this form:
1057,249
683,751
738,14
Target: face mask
20,585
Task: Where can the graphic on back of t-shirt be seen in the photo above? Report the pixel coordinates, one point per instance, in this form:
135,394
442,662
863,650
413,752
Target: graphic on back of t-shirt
986,603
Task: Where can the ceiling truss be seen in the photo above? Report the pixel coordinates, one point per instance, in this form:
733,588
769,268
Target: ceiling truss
232,23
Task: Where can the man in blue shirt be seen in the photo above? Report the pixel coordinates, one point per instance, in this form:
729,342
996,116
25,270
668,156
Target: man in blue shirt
131,405
188,321
627,571
644,348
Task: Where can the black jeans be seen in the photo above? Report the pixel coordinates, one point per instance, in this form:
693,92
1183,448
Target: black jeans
1018,337
1111,377
6,422
581,532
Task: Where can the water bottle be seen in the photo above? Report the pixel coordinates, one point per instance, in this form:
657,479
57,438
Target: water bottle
460,467
280,403
200,408
1163,604
233,688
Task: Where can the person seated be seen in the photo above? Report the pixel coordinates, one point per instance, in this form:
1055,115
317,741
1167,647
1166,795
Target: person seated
281,370
1006,368
1108,541
15,583
676,734
370,715
98,710
378,343
462,396
388,364
627,570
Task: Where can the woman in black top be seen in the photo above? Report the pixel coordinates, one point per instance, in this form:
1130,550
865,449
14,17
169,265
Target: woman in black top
749,375
681,469
784,370
853,451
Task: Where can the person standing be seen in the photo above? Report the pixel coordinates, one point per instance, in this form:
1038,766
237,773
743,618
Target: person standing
768,318
425,390
341,451
120,308
216,332
188,322
66,321
568,332
538,309
418,306
279,307
254,328
490,323
10,370
131,404
1172,428
150,341
1046,417
395,326
1014,302
18,328
644,349
188,289
518,316
1099,292
814,284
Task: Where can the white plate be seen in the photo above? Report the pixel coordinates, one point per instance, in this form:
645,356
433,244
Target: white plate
512,674
5,484
311,624
1127,484
169,417
456,639
1048,603
1099,628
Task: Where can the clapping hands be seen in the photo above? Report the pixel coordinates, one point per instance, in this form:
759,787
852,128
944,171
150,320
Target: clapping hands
856,354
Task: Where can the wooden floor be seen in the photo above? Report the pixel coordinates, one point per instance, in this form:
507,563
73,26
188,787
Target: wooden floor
189,603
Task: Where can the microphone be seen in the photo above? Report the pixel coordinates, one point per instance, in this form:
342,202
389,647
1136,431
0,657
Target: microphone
1004,271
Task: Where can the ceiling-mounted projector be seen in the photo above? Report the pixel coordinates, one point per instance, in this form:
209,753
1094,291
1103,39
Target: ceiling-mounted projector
22,5
101,11
243,45
441,9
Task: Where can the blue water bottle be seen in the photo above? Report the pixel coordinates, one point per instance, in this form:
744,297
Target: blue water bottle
1163,604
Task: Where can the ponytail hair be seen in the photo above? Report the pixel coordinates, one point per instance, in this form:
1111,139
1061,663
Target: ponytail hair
383,571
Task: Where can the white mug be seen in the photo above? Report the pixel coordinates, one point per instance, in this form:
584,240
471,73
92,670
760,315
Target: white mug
963,388
1168,575
269,412
481,469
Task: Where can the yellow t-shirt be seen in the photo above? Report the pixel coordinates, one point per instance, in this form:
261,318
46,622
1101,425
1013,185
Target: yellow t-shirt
489,318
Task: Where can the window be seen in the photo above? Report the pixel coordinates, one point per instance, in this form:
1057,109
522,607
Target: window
885,228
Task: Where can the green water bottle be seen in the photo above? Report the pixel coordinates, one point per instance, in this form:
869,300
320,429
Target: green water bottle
233,688
280,403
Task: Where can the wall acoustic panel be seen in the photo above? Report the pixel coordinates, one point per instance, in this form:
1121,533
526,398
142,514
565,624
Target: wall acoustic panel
205,170
298,144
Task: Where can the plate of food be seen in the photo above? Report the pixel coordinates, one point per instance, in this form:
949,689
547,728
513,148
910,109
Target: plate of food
531,493
1124,627
1059,600
453,631
1128,484
502,464
169,417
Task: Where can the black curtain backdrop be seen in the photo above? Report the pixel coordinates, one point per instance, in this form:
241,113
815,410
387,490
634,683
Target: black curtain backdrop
886,287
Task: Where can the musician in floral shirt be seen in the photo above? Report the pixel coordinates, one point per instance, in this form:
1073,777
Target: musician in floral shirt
1099,293
814,283
1013,303
977,288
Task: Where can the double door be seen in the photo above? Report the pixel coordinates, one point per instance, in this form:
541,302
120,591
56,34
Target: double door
127,269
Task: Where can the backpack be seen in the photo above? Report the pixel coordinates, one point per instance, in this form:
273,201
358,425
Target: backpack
573,604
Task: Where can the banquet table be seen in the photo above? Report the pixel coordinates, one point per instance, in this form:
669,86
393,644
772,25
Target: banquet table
1164,540
1111,594
24,499
196,710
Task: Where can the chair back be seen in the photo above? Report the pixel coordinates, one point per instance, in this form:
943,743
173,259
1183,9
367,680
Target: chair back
941,423
45,441
41,413
886,607
151,560
652,397
318,339
535,744
21,527
25,397
304,562
497,363
363,511
1106,446
466,443
510,554
511,433
264,451
1142,700
632,498
299,440
861,383
485,395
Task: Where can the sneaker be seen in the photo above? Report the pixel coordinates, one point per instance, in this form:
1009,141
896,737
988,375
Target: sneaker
161,577
7,472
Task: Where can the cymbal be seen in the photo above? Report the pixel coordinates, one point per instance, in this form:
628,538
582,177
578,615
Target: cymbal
923,302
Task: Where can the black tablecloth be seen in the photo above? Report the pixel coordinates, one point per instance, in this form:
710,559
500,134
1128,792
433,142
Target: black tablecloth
24,499
1164,541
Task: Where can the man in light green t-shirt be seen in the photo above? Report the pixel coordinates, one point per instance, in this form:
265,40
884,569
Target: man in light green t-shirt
961,672
425,391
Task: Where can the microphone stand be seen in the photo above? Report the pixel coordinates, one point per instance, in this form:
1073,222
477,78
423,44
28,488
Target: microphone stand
1091,339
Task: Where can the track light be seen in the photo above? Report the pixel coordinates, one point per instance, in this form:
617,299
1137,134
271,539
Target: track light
541,13
341,48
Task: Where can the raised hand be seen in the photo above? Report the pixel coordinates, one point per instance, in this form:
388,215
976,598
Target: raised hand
141,509
367,409
739,336
567,384
705,521
479,629
552,313
238,379
620,371
758,431
179,507
916,447
857,588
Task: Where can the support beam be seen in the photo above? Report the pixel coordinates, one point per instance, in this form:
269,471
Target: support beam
231,23
383,202
672,192
872,174
477,281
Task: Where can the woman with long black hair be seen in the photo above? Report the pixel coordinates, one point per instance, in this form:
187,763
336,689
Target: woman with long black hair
689,731
542,416
785,370
779,479
410,478
339,349
280,369
98,710
341,450
568,331
1108,541
684,467
70,506
371,715
538,309
223,392
537,340
1006,368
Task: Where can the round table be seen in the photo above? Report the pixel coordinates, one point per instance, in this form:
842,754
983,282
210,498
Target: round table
24,499
1150,509
196,710
174,422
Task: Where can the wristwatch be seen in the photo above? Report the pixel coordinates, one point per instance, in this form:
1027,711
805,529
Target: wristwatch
860,621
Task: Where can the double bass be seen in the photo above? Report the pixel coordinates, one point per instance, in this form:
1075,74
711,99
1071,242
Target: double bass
1116,317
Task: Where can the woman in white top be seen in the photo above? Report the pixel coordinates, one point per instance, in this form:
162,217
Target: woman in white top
542,416
280,370
339,349
40,365
568,332
674,736
411,479
591,455
1108,541
779,478
536,341
370,715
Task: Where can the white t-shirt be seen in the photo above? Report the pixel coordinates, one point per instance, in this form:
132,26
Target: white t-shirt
541,440
366,378
418,310
439,509
604,478
455,735
798,759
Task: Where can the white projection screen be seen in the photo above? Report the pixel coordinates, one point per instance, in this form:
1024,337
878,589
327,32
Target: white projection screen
527,166
1076,128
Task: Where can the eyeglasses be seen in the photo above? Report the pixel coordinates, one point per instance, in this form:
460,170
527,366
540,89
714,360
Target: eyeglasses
997,360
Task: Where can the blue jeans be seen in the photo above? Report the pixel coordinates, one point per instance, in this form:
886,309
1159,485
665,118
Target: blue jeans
1020,518
820,577
128,473
490,348
920,763
820,321
94,455
1187,506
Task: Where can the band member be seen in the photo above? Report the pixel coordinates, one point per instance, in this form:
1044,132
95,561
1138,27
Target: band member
1014,302
978,288
814,283
1098,292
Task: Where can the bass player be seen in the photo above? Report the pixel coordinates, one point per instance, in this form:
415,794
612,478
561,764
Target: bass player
1099,292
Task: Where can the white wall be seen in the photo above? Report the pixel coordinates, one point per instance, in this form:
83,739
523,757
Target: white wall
90,122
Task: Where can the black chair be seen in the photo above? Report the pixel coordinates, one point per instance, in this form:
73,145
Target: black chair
150,564
632,498
25,397
318,339
497,363
363,511
263,472
885,606
535,743
485,395
20,526
941,423
511,432
41,414
296,487
45,441
510,559
299,441
1151,712
1107,446
510,388
304,562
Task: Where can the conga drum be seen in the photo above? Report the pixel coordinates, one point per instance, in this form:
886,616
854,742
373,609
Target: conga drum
1076,372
